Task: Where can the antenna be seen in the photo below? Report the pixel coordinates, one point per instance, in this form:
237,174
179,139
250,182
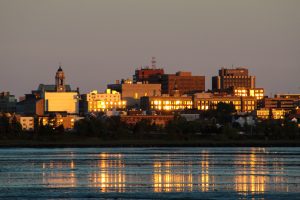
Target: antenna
153,63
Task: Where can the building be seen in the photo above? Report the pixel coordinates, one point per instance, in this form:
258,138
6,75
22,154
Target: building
62,102
8,102
266,113
227,78
278,103
31,105
209,101
132,92
161,120
148,74
295,97
59,97
258,93
56,120
100,102
27,123
184,81
167,103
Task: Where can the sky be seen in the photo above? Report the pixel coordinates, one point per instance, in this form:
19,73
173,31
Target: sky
100,41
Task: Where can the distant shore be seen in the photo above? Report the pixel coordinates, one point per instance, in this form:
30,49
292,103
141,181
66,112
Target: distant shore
95,142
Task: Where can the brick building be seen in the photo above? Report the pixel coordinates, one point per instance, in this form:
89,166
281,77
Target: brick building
227,78
184,82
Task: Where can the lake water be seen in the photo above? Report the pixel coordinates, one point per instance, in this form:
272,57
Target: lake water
150,173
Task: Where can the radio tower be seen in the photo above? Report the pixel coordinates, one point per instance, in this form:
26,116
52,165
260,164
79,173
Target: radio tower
153,61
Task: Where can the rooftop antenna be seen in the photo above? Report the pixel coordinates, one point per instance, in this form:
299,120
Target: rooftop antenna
153,63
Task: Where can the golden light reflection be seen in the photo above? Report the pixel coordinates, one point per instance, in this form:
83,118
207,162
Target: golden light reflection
56,176
253,175
204,177
166,180
111,174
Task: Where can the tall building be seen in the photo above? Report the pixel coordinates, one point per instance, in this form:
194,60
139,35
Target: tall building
183,81
228,78
7,102
97,102
132,92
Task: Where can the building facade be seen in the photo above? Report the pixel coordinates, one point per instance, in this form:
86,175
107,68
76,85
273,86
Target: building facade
59,97
100,102
167,103
278,103
31,105
265,113
132,92
209,101
258,93
67,121
27,123
228,78
183,81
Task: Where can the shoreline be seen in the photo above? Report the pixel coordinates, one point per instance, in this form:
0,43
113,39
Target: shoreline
145,143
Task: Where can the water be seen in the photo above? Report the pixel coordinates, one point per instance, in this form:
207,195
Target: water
150,173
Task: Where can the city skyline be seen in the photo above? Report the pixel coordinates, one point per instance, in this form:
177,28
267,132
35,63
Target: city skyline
98,42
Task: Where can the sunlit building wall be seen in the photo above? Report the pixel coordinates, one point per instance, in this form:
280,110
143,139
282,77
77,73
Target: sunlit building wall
270,113
62,102
210,102
167,103
258,93
67,121
108,100
27,123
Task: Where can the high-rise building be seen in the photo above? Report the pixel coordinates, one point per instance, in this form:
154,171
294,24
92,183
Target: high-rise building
184,82
228,78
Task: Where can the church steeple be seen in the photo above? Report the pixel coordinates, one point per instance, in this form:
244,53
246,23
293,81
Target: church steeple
60,80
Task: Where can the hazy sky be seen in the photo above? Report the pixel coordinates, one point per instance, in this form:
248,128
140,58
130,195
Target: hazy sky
98,41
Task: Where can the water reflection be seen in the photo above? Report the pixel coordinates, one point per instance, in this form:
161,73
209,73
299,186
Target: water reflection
110,173
167,179
178,176
254,171
252,175
59,174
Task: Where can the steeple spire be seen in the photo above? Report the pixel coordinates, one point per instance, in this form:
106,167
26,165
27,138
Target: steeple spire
60,80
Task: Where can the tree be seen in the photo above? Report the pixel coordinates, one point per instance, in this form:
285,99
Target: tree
225,112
